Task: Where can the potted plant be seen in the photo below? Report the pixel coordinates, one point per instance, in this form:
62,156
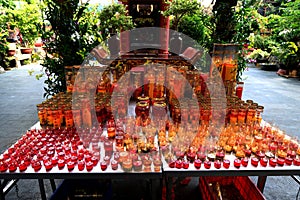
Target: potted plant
27,19
288,55
259,55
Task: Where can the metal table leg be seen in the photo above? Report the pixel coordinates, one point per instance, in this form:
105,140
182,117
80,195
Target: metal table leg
2,196
42,189
156,189
53,186
169,185
261,183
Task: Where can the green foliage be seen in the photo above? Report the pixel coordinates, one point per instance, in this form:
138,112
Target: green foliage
246,19
70,31
7,4
259,54
288,53
114,19
198,27
28,19
180,8
259,42
73,30
4,5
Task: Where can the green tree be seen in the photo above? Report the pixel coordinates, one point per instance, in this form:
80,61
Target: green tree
180,8
28,19
114,19
4,5
73,30
197,26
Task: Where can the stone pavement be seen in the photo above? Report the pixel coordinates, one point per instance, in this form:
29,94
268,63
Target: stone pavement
281,100
20,92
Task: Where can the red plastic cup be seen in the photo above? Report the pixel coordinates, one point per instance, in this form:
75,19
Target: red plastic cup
172,164
80,165
89,165
296,162
36,165
61,163
95,160
288,160
272,162
247,152
54,160
22,166
103,165
280,161
217,164
226,163
245,162
291,154
48,165
264,162
114,164
178,164
207,164
12,167
197,163
237,163
185,164
3,167
254,161
70,165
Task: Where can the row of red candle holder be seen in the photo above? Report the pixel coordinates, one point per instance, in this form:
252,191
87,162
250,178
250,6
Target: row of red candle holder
237,163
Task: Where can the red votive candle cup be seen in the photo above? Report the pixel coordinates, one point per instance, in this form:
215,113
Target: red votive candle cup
61,163
114,164
239,89
36,165
48,165
22,166
254,161
217,164
261,155
247,152
70,165
54,160
245,162
296,162
197,163
273,162
263,162
172,164
103,165
288,160
207,164
191,156
89,165
237,163
95,160
178,164
291,154
220,155
226,163
201,156
185,164
280,161
3,167
80,165
12,167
